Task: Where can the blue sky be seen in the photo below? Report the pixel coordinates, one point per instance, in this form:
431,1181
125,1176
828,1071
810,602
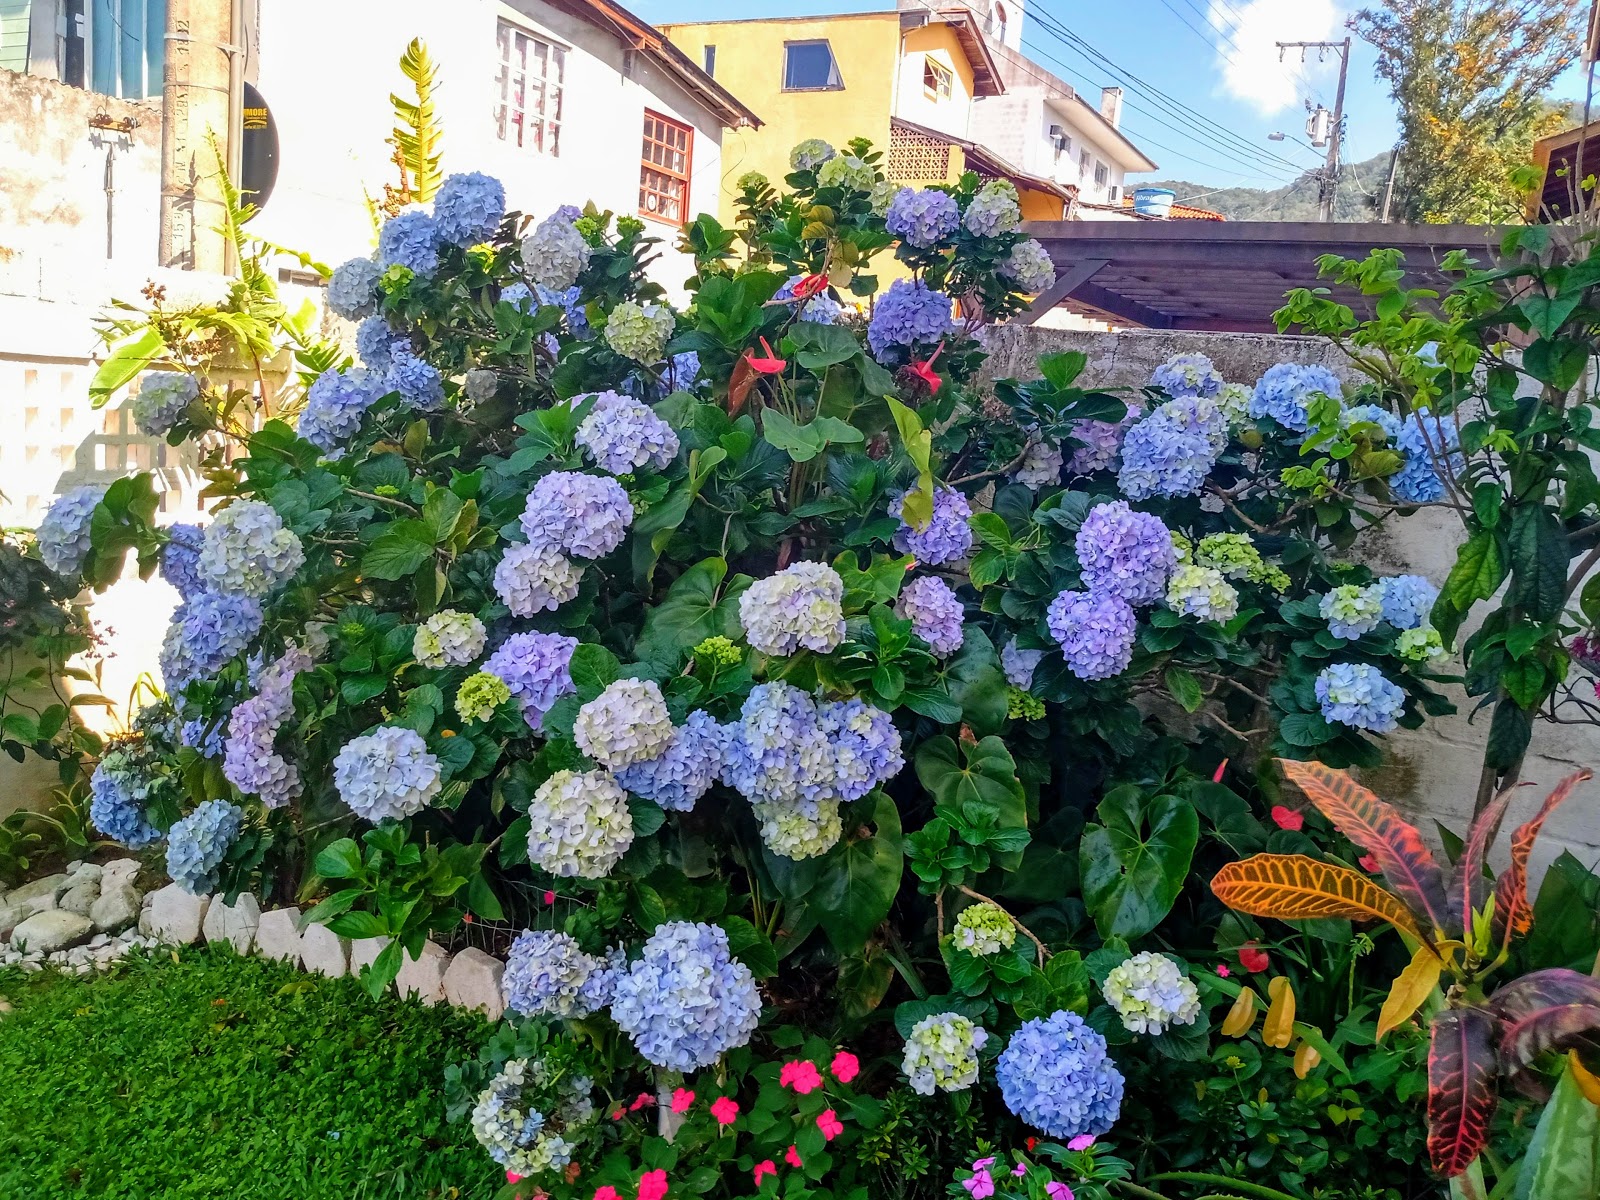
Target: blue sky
1214,58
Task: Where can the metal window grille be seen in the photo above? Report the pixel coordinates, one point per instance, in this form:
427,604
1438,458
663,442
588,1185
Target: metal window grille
664,169
530,89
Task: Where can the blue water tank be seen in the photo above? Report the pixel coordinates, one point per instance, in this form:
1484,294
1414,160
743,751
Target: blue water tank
1153,202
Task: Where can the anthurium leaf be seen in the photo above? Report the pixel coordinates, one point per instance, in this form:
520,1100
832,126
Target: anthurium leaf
1134,862
861,876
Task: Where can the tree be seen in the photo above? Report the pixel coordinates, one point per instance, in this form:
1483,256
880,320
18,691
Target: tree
1469,77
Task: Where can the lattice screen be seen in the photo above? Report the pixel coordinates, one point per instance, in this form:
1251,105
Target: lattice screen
917,158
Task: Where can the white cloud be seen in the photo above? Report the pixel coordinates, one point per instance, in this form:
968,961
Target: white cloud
1248,57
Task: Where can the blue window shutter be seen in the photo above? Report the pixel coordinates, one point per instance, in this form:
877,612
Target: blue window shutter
131,45
155,46
103,45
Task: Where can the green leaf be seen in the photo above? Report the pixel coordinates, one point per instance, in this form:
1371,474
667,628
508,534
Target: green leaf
1539,561
482,900
1134,863
647,816
1185,688
1478,572
339,860
916,509
695,608
399,550
976,681
593,668
1305,730
1563,1159
987,775
127,360
861,877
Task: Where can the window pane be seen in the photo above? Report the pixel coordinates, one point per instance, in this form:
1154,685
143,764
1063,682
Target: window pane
809,65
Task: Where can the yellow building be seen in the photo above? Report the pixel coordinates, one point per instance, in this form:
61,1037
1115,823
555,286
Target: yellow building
906,80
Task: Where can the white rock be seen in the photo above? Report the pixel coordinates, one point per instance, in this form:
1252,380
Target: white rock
423,977
80,897
278,934
84,870
51,886
98,940
234,923
117,908
473,981
175,917
122,870
324,951
364,952
51,931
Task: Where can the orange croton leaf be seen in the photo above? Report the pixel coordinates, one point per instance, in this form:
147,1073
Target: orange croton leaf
1292,887
1512,913
1410,988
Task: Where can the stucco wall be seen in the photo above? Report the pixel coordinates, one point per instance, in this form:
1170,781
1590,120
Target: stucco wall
1433,772
912,102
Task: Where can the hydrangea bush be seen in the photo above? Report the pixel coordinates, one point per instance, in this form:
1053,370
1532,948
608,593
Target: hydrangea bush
762,662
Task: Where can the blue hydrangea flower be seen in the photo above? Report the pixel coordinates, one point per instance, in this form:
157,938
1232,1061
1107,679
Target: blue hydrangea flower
1352,611
549,975
821,309
579,825
207,632
375,340
1286,390
677,778
1407,600
1171,451
63,533
1359,695
468,208
1423,437
418,381
387,775
335,404
683,372
555,253
570,301
777,752
1126,553
1095,631
947,536
161,399
935,613
866,746
1029,267
908,315
1188,375
203,736
621,435
800,607
247,550
1102,443
994,210
1019,664
353,289
923,218
180,559
533,579
534,666
687,1000
410,240
198,843
583,515
118,793
1057,1075
251,761
520,296
1371,414
517,1135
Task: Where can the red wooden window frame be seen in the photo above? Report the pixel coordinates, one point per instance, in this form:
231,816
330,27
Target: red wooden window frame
666,162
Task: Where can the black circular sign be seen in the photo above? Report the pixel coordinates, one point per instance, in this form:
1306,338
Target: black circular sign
258,152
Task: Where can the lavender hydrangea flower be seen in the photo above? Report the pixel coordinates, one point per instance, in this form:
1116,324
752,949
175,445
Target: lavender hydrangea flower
119,792
865,743
1102,443
945,539
1423,438
1151,993
1019,664
777,752
387,775
1286,390
535,667
207,631
1095,631
935,613
621,435
468,208
821,309
685,771
1407,600
1040,467
1029,267
1126,553
1057,1075
801,606
480,385
375,341
682,373
627,723
63,533
640,331
161,399
533,579
250,760
448,639
923,218
548,975
942,1053
994,210
1202,593
1188,375
180,559
353,288
555,253
1352,611
908,315
583,515
198,843
1171,451
1359,695
810,154
410,240
246,550
418,381
335,404
687,1000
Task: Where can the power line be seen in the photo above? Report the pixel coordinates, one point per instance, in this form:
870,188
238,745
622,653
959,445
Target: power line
1292,73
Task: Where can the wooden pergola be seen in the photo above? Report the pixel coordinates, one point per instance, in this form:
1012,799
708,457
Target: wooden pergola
1225,276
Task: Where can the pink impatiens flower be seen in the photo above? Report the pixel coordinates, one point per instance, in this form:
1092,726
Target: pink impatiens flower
830,1125
792,1157
1222,970
801,1075
512,1177
549,898
652,1185
643,1100
1287,818
845,1066
607,1193
725,1109
765,1168
1082,1142
681,1100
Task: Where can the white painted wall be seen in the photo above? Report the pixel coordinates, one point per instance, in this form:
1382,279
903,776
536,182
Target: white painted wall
912,102
1016,126
332,127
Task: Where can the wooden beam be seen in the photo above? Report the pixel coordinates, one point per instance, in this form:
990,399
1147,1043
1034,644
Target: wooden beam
1066,283
1118,305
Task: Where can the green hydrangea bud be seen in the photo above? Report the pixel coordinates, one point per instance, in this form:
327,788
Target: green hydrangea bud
984,929
1020,705
718,652
1422,644
480,695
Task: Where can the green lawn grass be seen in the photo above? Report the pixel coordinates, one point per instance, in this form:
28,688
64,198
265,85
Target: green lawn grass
218,1076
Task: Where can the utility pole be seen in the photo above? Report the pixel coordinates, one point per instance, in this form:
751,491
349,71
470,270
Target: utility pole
196,101
1388,188
1328,185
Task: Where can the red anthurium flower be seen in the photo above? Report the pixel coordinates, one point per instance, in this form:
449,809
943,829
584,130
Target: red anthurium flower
925,372
1252,959
770,365
809,286
1287,818
1216,776
1030,1143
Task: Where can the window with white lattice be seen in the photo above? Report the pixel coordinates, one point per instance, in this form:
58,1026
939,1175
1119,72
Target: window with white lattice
530,90
664,169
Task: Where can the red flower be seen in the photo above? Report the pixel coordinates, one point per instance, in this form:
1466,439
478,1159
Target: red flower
1287,818
1030,1143
830,1125
652,1185
809,286
607,1193
643,1100
466,918
725,1109
549,898
513,1177
845,1066
802,1075
792,1157
616,1114
925,372
770,365
1222,970
765,1168
1368,864
1252,959
681,1100
1216,776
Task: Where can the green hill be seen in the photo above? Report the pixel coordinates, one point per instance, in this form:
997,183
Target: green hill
1359,195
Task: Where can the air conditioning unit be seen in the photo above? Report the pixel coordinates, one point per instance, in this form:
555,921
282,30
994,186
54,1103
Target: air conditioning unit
1058,136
